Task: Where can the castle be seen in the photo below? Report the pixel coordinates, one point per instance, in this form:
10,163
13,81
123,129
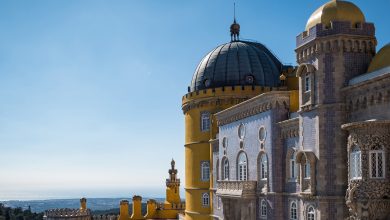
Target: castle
269,141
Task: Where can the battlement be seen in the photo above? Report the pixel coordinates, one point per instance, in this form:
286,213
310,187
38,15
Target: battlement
226,91
67,213
105,217
335,28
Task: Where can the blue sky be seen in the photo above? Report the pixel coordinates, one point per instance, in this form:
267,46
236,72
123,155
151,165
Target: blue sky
90,91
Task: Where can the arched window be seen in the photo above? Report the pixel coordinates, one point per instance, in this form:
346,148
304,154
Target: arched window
307,169
205,121
311,214
205,171
307,82
293,167
263,209
226,169
293,211
355,166
263,166
242,166
377,164
205,199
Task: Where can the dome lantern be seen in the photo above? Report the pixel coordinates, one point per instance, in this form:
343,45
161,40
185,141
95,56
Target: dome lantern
234,28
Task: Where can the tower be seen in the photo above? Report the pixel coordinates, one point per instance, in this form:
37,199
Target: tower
337,45
173,186
231,73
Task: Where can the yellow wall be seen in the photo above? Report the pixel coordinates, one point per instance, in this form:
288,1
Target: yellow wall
197,146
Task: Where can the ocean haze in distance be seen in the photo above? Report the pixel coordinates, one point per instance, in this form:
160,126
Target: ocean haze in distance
90,91
94,204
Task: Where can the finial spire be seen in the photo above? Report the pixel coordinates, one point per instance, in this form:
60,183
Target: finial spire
235,27
234,11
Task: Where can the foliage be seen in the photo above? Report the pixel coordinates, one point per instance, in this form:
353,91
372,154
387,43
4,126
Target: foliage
7,213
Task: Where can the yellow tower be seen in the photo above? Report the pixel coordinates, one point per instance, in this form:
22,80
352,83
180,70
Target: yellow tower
229,74
173,186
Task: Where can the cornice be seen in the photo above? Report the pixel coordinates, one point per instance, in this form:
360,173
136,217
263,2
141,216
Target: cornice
368,123
253,106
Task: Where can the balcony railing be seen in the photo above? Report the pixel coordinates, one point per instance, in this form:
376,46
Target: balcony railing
236,189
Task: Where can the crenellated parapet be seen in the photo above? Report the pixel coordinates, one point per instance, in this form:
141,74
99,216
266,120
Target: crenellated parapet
69,214
229,95
336,28
105,217
66,213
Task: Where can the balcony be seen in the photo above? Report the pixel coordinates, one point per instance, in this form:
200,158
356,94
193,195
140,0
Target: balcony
236,189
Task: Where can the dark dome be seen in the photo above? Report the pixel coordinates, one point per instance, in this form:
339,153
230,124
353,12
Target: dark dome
237,63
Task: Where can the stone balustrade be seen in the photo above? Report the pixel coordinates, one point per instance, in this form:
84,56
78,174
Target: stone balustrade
237,189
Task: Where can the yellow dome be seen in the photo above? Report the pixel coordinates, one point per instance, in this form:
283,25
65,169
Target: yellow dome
336,11
381,59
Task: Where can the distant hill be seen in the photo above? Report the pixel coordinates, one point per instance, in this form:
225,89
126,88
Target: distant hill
95,204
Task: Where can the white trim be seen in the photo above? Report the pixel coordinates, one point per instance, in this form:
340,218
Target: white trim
261,209
296,210
205,121
204,165
205,199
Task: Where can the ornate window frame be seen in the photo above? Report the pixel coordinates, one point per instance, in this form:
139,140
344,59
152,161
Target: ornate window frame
205,171
205,121
310,213
293,211
291,158
242,166
263,167
306,73
355,163
378,154
308,185
263,209
205,199
262,182
225,168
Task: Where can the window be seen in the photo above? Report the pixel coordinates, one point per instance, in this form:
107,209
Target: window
377,164
355,168
263,209
311,214
205,199
293,167
205,171
241,131
242,167
307,82
224,142
293,211
226,169
205,121
307,169
262,134
217,169
219,202
263,166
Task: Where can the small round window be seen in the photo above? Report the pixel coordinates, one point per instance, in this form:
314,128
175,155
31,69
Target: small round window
249,79
262,134
241,131
224,142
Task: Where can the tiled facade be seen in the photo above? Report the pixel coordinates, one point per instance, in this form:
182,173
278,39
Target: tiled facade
346,107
